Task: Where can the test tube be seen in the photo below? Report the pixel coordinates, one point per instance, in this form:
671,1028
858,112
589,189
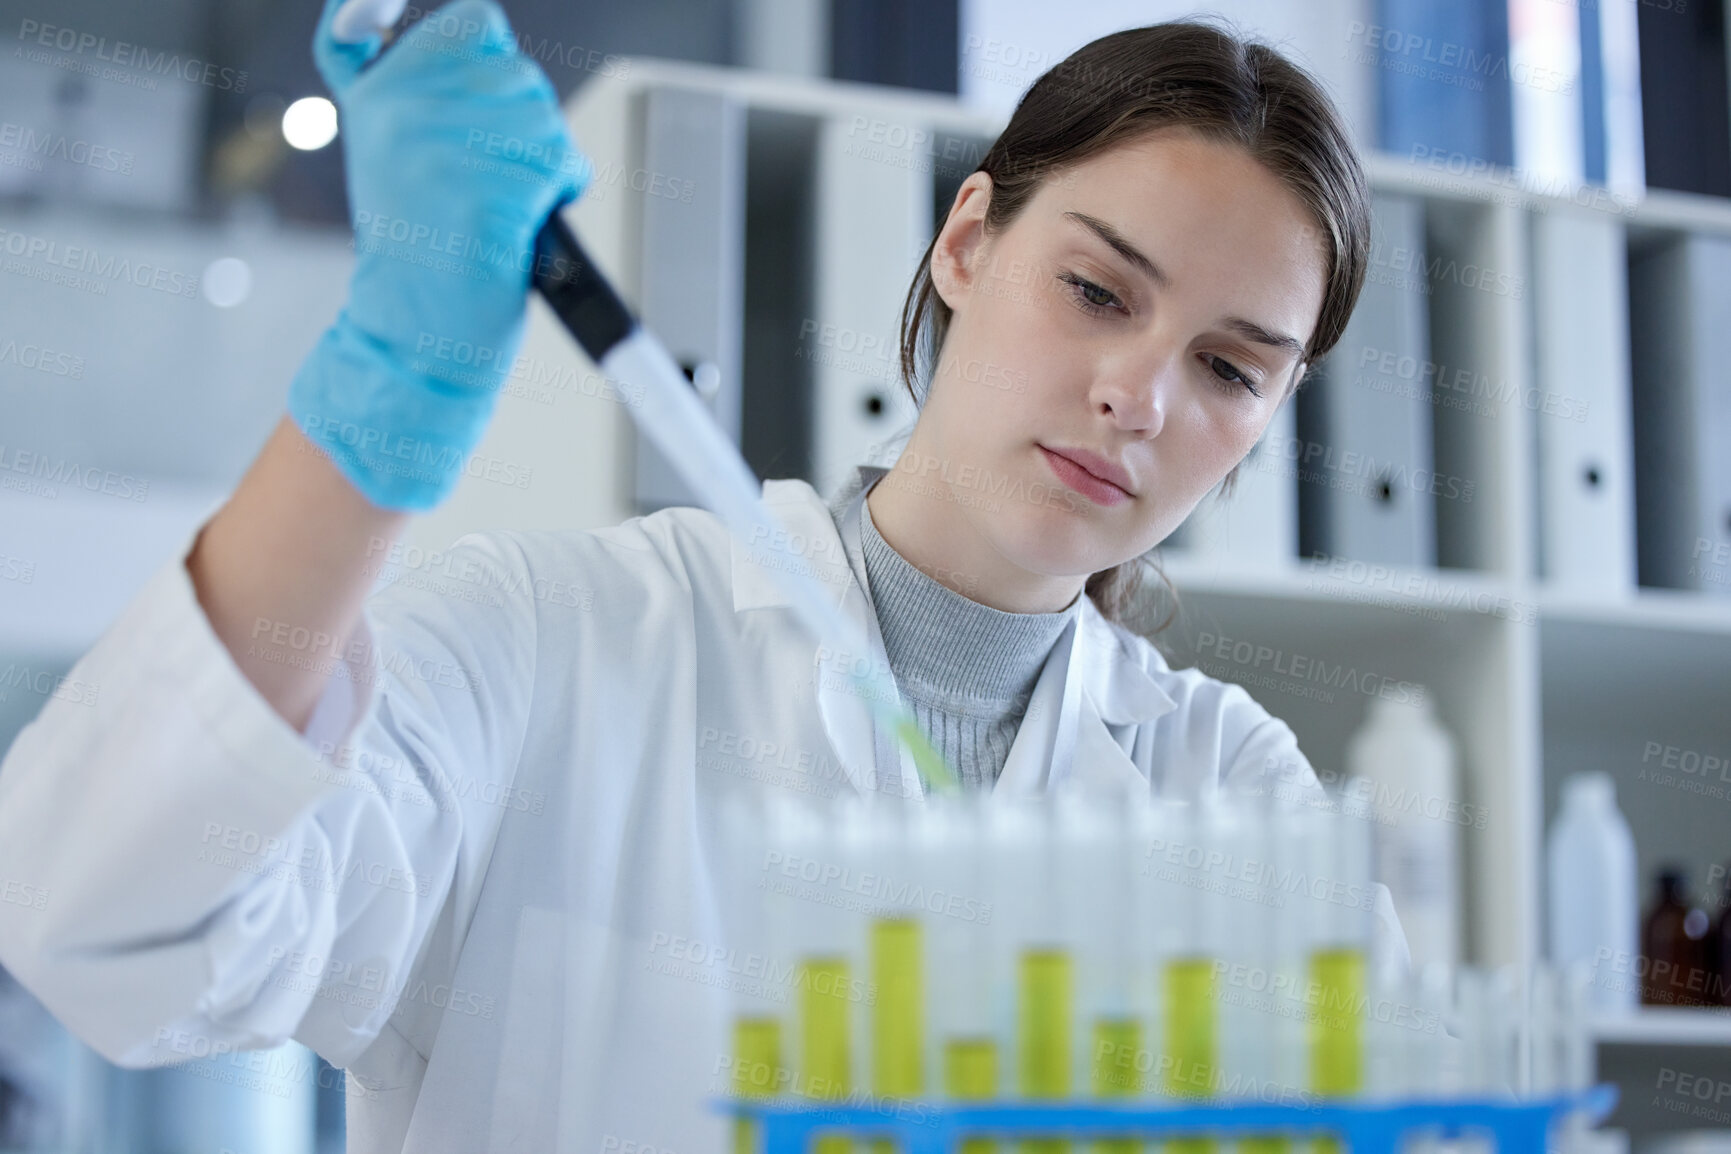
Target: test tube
1041,984
1338,911
758,1064
1094,897
891,878
1190,1054
1246,929
963,1048
823,947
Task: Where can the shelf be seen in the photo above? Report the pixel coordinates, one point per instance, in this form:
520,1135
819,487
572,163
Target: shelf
1657,208
1661,1026
1431,594
1673,610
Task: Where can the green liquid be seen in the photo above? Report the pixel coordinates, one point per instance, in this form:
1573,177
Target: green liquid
1337,1028
1192,1039
1117,1042
823,986
757,1071
898,1060
1044,1024
971,1075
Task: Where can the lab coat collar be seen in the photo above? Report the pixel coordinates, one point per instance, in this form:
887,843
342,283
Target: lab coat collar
1094,682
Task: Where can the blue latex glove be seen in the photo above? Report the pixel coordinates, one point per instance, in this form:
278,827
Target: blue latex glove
456,153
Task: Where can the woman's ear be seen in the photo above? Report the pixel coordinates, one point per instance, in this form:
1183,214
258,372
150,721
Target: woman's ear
961,241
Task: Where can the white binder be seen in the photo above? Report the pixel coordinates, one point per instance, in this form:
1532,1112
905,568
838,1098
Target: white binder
1680,345
872,222
1365,456
693,265
1256,528
1580,406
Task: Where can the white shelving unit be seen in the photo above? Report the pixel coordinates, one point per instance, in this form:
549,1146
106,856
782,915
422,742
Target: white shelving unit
1659,1026
1535,681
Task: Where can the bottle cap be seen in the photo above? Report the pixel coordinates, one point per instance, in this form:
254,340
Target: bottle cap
1385,709
1590,789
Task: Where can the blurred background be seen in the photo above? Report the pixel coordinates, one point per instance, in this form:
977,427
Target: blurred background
1484,558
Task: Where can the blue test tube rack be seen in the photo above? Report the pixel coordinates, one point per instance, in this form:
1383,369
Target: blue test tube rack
1516,1126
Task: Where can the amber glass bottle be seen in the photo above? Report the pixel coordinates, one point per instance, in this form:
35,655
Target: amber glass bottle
1719,950
1673,940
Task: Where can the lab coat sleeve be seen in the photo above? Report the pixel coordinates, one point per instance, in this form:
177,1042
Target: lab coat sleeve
197,868
1269,761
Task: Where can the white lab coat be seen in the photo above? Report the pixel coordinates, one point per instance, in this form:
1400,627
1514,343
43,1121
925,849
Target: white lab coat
465,882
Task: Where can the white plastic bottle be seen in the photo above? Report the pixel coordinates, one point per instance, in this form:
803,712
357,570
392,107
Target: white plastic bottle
1594,916
1410,759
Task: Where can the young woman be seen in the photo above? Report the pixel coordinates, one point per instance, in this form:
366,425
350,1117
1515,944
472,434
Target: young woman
461,839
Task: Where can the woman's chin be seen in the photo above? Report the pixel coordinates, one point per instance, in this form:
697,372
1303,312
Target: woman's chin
1053,542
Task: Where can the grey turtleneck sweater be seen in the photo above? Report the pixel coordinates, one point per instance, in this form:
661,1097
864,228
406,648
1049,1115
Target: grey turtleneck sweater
966,670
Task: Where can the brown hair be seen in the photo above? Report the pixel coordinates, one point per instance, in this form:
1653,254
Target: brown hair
1180,74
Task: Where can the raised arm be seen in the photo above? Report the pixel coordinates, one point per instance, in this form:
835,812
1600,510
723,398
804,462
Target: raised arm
456,153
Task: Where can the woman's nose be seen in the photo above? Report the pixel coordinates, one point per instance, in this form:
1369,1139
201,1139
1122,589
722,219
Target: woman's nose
1135,395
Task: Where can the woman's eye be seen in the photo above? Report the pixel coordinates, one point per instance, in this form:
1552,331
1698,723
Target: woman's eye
1227,371
1090,295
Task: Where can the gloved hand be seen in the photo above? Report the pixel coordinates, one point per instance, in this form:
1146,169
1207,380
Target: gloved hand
456,153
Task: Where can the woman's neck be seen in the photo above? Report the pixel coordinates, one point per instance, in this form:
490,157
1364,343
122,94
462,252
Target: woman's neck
936,537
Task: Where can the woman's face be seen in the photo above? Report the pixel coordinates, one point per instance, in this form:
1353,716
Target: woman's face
1111,356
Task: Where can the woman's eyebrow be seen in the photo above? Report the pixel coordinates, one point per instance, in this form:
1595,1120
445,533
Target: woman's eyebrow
1247,329
1252,331
1122,247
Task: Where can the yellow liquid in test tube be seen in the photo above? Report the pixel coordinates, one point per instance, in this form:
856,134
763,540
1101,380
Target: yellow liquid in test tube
1117,1042
1045,1018
823,990
757,1071
897,1029
971,1075
1337,1028
1192,1045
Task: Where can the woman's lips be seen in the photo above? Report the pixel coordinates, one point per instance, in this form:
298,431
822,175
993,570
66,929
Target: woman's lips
1099,491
